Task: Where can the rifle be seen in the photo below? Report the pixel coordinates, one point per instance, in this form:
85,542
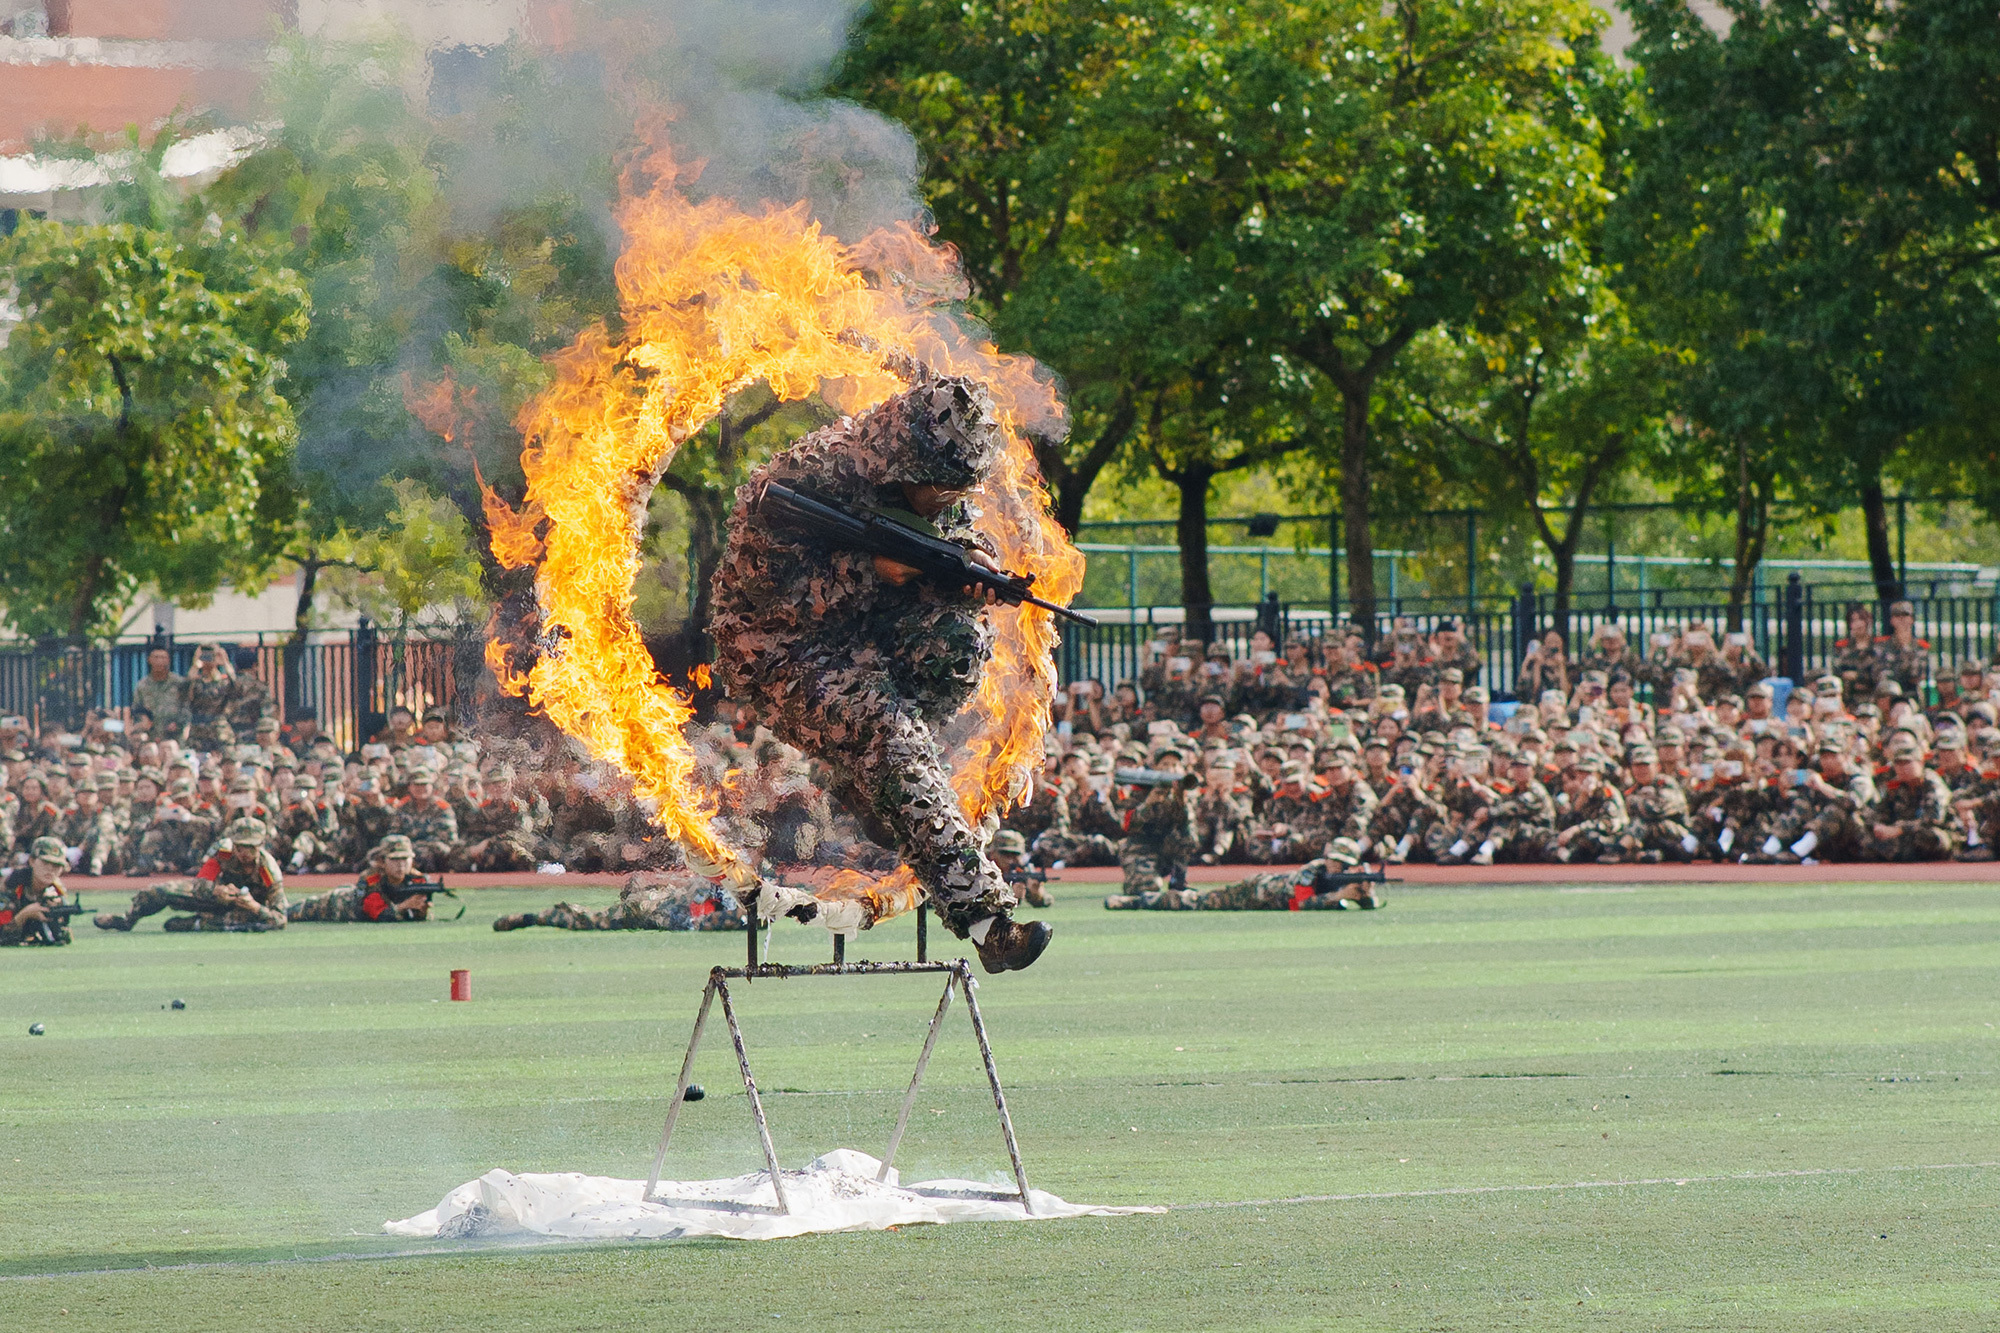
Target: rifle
427,889
1155,777
1326,881
57,912
939,561
1029,875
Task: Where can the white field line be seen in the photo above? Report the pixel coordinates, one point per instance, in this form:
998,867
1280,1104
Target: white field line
1584,1185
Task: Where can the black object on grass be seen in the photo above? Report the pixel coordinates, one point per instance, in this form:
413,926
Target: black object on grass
36,1029
180,1004
694,1093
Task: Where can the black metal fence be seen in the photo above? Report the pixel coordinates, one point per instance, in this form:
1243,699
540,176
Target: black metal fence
351,680
1793,627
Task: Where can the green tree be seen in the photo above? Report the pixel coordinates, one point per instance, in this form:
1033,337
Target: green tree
1007,104
423,558
1813,210
1319,183
143,437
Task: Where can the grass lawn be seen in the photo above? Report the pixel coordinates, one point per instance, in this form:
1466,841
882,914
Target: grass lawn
1656,1108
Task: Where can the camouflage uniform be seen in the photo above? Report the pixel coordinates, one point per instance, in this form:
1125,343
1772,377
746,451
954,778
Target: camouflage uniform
167,701
372,897
208,707
853,669
247,702
506,827
174,841
1856,663
1601,817
1271,891
18,893
362,826
306,832
1222,823
1836,822
92,832
431,827
1909,667
1523,821
1305,835
262,880
1091,837
1921,812
39,821
1659,815
649,901
1159,839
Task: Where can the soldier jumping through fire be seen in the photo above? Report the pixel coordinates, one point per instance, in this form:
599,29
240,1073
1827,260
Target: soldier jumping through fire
856,659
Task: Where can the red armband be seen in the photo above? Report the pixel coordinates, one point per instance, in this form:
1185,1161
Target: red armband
373,906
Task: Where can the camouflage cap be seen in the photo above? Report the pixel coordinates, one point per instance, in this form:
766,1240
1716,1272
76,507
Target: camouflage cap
1476,694
1215,699
1949,740
1009,842
1596,678
942,431
242,782
501,773
1827,687
247,832
1345,851
1375,743
1887,688
1643,754
152,775
1905,747
182,787
50,850
395,845
1832,745
1902,608
1670,736
1391,691
306,782
423,775
267,726
1451,676
1761,690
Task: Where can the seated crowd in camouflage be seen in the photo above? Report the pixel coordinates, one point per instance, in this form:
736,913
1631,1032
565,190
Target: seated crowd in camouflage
1397,754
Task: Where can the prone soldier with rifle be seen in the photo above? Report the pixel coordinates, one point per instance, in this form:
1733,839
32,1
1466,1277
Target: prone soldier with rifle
1333,883
32,909
390,889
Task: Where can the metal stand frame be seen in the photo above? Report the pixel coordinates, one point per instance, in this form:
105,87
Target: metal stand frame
957,975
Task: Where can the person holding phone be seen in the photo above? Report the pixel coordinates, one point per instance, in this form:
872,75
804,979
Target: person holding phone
1544,667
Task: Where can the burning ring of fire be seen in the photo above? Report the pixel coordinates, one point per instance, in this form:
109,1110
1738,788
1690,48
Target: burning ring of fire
716,299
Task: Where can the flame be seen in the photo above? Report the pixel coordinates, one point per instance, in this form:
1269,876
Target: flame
716,298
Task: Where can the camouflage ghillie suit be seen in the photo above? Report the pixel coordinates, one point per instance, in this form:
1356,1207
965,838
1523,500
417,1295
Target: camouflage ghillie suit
1158,841
649,901
853,669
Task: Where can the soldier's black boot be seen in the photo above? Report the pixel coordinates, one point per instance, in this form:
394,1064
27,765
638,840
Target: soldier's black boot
513,921
1011,946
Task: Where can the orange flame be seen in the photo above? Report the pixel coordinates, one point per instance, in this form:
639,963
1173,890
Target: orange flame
716,299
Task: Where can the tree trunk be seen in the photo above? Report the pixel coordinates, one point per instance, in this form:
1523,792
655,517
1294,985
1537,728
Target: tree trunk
1881,559
1356,497
302,608
1564,555
1753,518
1191,531
1070,481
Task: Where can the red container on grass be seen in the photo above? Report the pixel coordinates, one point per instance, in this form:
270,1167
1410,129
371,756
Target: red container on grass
461,983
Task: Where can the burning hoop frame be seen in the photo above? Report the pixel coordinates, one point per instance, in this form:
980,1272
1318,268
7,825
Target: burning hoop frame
958,976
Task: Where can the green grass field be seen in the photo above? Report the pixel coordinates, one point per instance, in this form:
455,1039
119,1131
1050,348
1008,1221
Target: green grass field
1663,1108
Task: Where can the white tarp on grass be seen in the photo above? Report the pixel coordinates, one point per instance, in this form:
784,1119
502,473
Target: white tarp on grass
838,1192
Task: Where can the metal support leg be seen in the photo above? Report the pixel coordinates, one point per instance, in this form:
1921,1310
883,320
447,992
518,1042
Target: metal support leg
910,1097
757,1102
964,974
924,911
680,1090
